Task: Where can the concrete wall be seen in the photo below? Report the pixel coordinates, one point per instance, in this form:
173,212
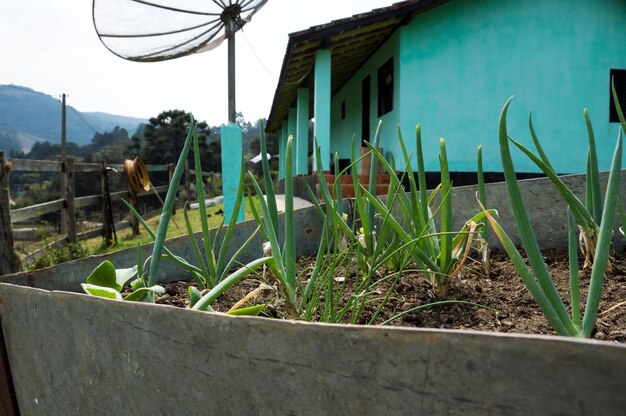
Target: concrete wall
72,354
546,208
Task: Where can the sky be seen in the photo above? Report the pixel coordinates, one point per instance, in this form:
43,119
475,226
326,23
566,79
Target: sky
51,46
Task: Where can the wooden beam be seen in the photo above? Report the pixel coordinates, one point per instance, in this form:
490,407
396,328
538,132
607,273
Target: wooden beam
26,165
33,211
9,262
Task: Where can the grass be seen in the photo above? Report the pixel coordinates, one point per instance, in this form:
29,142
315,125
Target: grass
126,239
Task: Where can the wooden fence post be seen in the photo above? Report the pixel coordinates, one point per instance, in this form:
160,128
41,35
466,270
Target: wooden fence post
70,212
8,400
63,221
9,263
107,217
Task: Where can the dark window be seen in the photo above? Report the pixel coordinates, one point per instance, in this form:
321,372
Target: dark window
365,109
619,78
343,110
385,88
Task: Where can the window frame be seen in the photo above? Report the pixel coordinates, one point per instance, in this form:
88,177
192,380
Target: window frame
385,87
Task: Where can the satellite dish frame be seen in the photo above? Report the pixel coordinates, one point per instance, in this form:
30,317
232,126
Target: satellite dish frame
231,133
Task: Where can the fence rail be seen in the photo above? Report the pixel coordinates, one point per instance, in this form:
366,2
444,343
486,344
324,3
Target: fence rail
67,204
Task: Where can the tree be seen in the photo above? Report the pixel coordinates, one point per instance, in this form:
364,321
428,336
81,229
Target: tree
165,137
134,147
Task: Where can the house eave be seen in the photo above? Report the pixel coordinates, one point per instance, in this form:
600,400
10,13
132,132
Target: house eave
353,41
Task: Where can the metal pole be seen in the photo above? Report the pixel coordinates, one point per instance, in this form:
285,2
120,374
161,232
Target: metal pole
63,131
231,26
63,228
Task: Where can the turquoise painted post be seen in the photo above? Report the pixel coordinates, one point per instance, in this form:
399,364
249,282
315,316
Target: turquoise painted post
284,135
281,173
231,138
302,134
322,105
292,125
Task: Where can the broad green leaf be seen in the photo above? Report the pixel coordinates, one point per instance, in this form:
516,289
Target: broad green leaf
194,295
142,291
123,276
249,311
105,275
101,291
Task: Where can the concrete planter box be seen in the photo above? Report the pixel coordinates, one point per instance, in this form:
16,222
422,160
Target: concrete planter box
73,354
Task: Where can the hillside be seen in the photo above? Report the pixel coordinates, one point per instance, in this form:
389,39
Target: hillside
27,116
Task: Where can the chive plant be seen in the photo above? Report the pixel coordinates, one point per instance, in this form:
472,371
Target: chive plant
537,277
283,257
440,254
382,250
588,215
483,232
283,264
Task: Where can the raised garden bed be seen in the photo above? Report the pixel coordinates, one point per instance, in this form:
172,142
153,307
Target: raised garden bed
73,354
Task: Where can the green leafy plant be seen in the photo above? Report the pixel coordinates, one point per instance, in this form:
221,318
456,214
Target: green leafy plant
587,215
212,274
348,247
538,281
304,299
283,266
108,282
483,231
214,269
440,254
53,254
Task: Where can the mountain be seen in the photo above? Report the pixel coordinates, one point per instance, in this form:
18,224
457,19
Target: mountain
27,116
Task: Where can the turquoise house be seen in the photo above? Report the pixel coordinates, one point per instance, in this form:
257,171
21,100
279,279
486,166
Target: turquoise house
450,66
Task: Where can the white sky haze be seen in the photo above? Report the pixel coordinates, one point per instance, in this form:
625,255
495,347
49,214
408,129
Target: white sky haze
51,46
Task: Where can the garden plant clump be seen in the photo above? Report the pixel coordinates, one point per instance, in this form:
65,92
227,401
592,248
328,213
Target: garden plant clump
396,260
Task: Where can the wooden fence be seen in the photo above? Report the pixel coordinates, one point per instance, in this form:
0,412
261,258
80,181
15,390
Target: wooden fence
68,202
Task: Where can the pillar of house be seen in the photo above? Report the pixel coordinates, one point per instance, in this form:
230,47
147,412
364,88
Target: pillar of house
284,134
302,132
231,138
321,107
292,124
279,135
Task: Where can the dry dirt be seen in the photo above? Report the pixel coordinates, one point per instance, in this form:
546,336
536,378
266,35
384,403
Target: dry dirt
502,291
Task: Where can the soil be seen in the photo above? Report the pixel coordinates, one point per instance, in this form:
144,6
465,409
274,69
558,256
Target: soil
507,306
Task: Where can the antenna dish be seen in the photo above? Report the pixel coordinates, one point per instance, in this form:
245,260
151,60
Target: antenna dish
159,30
